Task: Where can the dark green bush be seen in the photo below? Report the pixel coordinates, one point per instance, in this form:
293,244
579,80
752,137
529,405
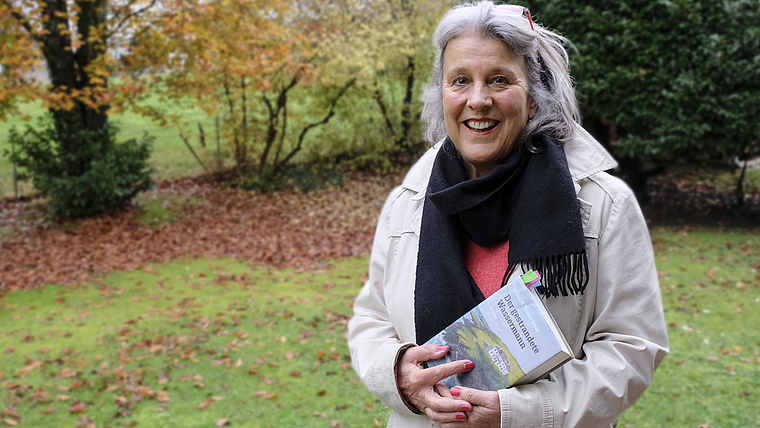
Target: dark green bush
99,174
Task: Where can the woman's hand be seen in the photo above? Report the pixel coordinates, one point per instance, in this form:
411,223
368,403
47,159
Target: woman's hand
486,409
423,387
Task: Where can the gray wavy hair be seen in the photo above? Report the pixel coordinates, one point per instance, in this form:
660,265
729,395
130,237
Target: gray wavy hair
546,64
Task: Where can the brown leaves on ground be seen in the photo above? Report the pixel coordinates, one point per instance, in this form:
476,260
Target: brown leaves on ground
286,229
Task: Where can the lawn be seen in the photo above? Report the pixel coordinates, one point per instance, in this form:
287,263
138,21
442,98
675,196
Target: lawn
188,344
205,342
710,285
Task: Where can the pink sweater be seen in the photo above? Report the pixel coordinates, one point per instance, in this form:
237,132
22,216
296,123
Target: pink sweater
487,265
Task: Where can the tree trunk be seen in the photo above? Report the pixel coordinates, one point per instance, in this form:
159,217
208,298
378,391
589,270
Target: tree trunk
739,191
69,69
402,141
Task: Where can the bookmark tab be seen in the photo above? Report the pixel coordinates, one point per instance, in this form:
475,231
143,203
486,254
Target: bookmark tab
531,279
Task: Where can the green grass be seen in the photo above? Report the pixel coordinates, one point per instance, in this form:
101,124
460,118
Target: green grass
266,348
259,347
711,292
157,208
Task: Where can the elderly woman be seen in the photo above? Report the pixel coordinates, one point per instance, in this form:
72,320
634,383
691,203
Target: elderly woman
512,184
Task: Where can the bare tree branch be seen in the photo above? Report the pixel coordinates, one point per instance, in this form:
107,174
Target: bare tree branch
193,151
327,118
274,115
384,110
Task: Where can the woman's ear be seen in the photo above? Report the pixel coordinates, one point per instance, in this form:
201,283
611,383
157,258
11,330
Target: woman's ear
533,108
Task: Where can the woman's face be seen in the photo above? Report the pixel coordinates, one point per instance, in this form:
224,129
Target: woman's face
485,100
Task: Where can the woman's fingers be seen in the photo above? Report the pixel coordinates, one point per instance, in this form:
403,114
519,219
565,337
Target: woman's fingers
445,417
485,411
488,399
418,355
443,390
423,387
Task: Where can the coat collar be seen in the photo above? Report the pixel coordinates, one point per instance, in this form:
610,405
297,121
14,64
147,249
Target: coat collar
585,157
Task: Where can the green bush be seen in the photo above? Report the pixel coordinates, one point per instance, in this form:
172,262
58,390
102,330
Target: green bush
98,175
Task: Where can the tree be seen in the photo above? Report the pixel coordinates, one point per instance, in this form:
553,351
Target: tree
394,39
242,60
664,82
73,38
276,73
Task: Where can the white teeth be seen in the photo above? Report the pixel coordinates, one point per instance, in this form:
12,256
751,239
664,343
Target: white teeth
479,124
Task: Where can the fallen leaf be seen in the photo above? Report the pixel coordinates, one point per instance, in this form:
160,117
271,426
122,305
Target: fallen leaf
77,407
66,372
30,365
265,394
222,422
9,411
85,422
205,403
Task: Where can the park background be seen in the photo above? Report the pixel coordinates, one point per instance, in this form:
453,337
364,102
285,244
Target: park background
203,194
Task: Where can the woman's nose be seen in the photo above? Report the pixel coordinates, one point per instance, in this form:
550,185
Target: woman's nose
480,97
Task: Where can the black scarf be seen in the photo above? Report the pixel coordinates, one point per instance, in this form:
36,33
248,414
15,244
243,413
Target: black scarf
528,200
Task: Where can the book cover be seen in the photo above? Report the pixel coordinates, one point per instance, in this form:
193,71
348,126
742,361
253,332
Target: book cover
511,337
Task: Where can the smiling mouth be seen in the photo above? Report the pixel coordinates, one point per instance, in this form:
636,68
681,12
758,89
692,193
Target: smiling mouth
481,125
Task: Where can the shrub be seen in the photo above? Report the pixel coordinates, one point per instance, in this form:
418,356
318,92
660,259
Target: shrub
98,175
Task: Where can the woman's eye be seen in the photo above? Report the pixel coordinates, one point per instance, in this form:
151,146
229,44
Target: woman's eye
460,80
500,80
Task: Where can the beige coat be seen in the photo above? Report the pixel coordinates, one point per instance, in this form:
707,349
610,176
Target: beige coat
616,328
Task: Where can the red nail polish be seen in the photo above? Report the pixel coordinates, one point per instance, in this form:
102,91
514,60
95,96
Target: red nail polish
465,408
469,366
460,416
443,347
455,391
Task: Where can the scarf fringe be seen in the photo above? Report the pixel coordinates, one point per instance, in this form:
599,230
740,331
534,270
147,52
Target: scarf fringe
563,274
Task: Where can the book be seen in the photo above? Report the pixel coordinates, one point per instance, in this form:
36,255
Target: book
511,337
